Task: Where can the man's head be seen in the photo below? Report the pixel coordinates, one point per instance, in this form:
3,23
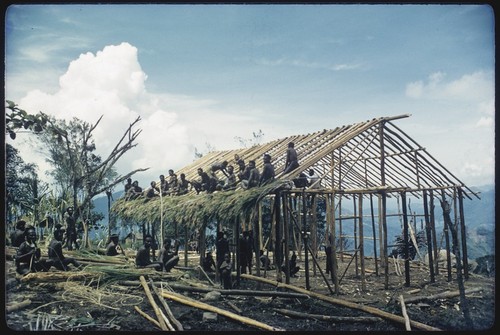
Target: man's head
267,158
291,144
251,164
21,225
59,233
30,234
148,240
200,171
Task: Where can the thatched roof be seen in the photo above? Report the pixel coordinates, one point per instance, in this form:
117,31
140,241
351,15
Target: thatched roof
364,157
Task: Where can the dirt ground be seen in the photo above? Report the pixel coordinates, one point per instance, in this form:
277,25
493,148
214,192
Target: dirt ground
89,304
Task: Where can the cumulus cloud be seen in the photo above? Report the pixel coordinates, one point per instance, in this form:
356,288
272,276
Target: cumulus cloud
112,83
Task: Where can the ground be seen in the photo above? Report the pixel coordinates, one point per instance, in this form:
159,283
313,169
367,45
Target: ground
91,304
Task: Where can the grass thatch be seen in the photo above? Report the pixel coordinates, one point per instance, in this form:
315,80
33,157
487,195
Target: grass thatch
195,209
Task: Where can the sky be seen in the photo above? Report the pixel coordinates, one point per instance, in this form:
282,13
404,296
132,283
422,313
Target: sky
203,76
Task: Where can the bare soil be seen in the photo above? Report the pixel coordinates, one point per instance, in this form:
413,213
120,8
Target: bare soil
90,305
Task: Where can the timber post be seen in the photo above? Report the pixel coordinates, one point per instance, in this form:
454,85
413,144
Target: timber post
463,233
429,238
406,240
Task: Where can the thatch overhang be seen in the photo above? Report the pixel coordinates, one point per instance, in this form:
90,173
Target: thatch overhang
367,157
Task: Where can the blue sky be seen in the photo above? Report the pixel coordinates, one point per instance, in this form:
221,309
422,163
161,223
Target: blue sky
199,74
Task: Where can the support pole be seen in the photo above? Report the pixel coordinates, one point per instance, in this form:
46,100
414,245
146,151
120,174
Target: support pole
286,232
361,243
374,235
305,238
463,233
447,240
406,240
354,205
429,238
277,249
433,231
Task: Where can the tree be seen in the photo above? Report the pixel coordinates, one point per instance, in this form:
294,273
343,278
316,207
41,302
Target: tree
250,142
81,173
22,186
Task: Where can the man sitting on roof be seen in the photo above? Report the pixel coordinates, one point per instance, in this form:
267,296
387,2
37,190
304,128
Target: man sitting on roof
267,175
253,178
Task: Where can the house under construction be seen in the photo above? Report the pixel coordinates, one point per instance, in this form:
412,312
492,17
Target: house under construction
360,167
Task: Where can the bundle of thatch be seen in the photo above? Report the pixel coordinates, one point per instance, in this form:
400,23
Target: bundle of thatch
194,210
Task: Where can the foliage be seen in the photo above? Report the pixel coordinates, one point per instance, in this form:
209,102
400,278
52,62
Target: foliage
399,245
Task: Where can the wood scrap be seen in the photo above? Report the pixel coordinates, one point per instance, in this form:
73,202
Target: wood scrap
333,318
17,305
443,295
198,304
403,311
368,309
141,312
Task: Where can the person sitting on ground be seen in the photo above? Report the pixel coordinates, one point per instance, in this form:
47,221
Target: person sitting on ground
225,271
291,162
267,175
28,255
143,256
168,257
55,251
265,261
18,236
253,178
208,262
153,190
113,248
292,265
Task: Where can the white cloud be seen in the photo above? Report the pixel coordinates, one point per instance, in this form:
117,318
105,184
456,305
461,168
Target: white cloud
111,83
470,87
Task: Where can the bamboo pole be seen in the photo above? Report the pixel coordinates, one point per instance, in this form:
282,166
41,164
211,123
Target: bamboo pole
335,301
147,317
374,235
356,319
144,284
198,304
167,309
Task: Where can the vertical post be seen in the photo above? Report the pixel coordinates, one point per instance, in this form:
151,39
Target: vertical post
429,237
361,243
314,228
277,249
463,233
202,244
355,235
447,240
260,227
384,230
257,247
186,246
406,239
334,245
305,236
433,231
238,251
286,238
374,235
